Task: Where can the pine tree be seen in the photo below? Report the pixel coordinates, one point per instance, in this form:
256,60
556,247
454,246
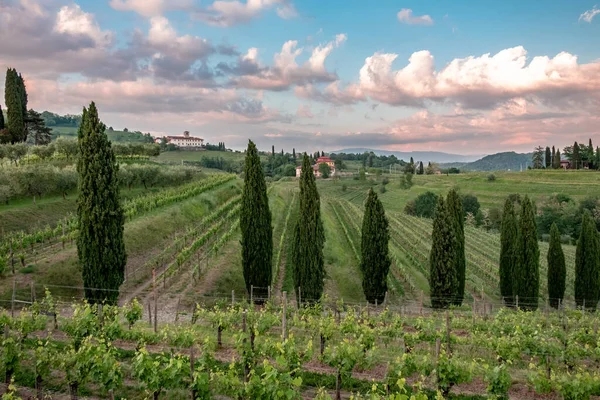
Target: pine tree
375,262
557,272
553,157
526,273
576,156
309,239
13,101
100,244
548,158
442,276
508,243
455,209
587,268
37,130
255,224
557,159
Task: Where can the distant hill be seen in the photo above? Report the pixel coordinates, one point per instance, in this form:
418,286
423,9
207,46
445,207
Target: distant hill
425,156
496,162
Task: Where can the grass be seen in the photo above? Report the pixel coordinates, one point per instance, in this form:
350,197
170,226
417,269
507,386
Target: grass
114,136
176,157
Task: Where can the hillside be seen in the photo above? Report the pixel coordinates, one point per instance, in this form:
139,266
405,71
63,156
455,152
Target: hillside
507,161
425,156
113,136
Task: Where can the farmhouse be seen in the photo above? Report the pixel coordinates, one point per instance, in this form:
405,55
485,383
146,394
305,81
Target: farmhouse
320,160
186,141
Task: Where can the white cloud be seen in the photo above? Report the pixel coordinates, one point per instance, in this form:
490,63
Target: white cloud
150,8
589,15
73,20
304,111
227,13
406,16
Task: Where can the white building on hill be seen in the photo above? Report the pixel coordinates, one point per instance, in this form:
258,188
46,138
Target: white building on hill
185,141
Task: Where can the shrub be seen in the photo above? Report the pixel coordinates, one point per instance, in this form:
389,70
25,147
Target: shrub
470,204
498,380
425,204
491,178
385,181
382,189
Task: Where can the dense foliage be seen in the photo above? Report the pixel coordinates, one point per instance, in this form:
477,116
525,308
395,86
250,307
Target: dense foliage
526,274
100,245
557,271
15,99
309,239
508,252
423,206
374,261
255,224
442,259
587,265
454,205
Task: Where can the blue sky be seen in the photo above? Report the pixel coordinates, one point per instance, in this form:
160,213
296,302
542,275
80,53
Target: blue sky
167,66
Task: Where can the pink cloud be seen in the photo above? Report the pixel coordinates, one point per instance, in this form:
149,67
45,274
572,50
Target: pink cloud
406,16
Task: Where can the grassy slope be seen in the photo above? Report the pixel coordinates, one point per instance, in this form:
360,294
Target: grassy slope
144,237
178,156
114,136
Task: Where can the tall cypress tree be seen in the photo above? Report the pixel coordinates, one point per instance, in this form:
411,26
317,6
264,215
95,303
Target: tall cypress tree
455,208
576,156
557,271
553,157
548,158
294,154
1,119
255,224
375,261
508,243
587,268
590,155
100,244
527,269
309,239
442,262
421,170
557,159
597,157
13,101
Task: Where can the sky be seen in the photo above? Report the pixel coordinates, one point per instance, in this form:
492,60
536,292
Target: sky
454,76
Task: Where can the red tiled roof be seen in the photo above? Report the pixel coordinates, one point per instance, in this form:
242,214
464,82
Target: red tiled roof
324,159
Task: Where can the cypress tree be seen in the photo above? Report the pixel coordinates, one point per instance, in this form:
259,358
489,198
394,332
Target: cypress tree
526,272
587,268
457,213
100,218
557,159
576,156
421,170
255,224
309,239
553,157
13,101
273,150
442,276
590,155
1,119
597,157
557,272
508,242
548,158
294,154
375,261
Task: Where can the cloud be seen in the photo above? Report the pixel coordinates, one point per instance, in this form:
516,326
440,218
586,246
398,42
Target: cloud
406,16
285,71
589,15
150,8
229,13
304,111
473,82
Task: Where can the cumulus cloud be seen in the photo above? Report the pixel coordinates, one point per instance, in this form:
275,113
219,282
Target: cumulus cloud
589,15
225,13
406,16
150,8
472,82
285,71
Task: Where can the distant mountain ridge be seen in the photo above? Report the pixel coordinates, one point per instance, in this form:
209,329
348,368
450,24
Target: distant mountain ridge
506,161
425,156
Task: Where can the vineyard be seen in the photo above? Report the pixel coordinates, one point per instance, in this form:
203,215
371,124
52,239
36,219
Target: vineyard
282,352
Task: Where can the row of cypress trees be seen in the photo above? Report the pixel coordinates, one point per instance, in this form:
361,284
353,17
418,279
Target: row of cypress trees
519,256
447,261
307,260
519,261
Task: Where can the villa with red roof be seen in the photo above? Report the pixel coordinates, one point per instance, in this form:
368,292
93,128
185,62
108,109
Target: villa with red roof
320,160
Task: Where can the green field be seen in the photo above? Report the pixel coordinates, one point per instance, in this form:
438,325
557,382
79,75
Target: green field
114,136
176,157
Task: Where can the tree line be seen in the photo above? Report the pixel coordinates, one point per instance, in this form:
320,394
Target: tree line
580,156
519,260
308,263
